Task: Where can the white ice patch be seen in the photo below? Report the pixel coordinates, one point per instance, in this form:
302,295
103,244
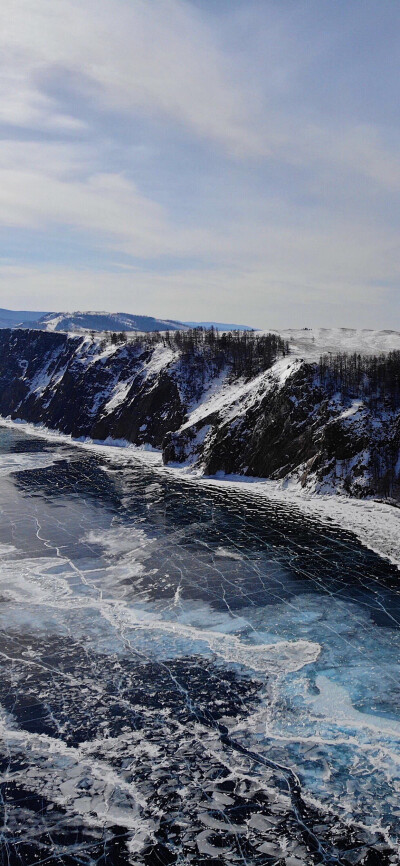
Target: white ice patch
334,703
227,554
7,550
278,658
118,539
34,581
21,462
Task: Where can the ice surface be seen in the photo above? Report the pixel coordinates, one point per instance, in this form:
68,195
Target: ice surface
375,523
188,669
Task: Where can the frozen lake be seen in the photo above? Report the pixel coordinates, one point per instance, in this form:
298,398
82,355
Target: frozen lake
188,675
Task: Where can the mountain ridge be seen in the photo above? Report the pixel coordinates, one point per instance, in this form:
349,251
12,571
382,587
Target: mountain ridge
100,320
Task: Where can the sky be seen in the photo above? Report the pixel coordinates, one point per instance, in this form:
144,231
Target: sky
229,160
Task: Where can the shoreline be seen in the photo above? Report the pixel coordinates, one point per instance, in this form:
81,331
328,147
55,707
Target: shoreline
375,524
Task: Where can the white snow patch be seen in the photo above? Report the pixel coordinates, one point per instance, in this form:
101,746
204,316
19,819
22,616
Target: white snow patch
161,357
310,343
226,395
356,408
39,383
118,395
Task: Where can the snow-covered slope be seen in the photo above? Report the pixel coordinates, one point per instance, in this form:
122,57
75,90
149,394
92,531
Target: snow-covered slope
310,343
286,424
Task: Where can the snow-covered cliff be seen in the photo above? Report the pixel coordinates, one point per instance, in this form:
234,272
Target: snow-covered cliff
273,416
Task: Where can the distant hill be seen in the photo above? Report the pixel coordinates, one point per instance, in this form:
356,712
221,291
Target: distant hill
220,326
100,321
13,318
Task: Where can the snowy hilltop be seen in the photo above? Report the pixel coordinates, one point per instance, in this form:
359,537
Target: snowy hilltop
316,409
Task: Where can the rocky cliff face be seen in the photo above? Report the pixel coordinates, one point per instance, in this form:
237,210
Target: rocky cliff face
79,386
282,423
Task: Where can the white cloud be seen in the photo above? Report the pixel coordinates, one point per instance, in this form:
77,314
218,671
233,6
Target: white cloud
48,186
155,55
